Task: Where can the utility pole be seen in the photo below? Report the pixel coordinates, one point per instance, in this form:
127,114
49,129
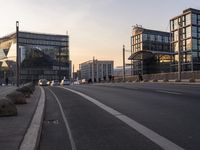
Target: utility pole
17,53
179,53
73,73
124,63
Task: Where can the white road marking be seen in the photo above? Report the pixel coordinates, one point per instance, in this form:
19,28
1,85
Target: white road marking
168,92
73,146
150,134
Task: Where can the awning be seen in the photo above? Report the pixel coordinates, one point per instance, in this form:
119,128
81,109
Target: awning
144,54
141,55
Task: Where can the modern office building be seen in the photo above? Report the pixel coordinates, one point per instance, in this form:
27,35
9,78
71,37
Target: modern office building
150,51
40,56
185,31
96,70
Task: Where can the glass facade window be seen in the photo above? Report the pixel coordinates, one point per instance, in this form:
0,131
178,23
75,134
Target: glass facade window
159,38
40,56
152,37
194,31
166,39
144,37
194,19
194,44
198,22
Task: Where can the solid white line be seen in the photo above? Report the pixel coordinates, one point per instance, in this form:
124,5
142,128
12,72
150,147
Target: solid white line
153,136
73,146
168,92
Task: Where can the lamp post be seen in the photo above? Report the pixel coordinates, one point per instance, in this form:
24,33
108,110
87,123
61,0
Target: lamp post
59,74
179,53
17,53
124,71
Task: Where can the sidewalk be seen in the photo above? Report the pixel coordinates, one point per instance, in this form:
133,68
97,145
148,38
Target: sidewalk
13,129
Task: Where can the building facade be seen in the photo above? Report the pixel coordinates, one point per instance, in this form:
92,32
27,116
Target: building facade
40,56
150,51
96,70
185,31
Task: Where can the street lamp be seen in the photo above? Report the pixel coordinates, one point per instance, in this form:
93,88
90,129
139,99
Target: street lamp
17,53
124,69
179,52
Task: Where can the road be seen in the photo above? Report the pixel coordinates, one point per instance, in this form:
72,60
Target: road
122,117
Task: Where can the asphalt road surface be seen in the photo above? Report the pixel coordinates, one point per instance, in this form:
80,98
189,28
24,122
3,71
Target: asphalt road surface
139,116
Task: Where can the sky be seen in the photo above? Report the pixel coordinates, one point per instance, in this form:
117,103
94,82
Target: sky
96,28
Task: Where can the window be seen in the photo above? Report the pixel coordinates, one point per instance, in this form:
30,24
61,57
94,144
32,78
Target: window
183,20
188,19
198,19
175,46
159,38
183,33
152,38
166,39
194,31
188,32
194,44
176,24
172,25
188,44
194,19
144,37
175,35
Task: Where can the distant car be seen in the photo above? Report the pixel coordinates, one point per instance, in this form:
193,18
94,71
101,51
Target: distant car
55,83
42,82
48,82
65,82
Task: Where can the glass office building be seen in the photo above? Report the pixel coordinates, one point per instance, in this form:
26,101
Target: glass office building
185,31
150,51
40,56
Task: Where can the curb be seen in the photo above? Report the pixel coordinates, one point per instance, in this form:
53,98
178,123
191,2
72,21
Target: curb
32,136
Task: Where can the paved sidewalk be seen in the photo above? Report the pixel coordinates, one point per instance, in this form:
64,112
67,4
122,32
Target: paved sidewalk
13,129
4,90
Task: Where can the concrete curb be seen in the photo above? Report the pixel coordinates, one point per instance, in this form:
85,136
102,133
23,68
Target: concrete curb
32,136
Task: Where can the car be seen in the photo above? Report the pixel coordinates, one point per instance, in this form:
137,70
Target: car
55,83
65,82
42,82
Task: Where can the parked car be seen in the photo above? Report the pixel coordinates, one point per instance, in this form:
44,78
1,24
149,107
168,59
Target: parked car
42,82
65,82
55,83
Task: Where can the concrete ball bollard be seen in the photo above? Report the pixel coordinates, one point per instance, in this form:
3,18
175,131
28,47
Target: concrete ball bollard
7,108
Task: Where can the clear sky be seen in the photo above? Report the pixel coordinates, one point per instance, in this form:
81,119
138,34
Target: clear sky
96,28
